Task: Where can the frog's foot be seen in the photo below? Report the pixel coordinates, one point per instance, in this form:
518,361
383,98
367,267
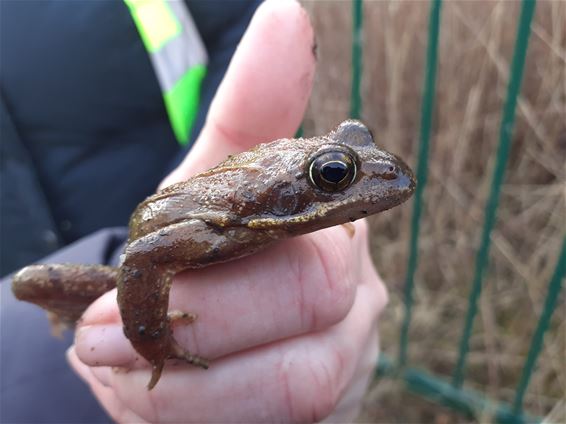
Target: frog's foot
181,317
176,350
58,324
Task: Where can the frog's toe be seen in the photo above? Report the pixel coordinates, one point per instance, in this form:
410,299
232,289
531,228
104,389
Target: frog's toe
179,353
155,374
181,317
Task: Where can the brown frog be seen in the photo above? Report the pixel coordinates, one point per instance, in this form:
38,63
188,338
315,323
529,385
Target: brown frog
274,191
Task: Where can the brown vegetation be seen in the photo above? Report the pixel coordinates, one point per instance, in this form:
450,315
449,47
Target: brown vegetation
476,45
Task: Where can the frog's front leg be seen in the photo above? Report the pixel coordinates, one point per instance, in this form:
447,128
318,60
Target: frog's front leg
145,280
175,317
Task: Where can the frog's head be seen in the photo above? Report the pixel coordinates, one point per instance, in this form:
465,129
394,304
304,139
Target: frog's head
354,178
323,181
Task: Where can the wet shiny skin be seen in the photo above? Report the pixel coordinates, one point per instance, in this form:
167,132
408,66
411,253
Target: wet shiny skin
252,199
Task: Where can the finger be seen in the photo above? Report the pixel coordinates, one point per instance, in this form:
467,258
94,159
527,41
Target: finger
298,380
265,90
103,392
349,406
300,285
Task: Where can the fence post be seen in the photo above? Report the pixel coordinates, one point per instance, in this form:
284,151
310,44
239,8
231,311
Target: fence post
357,37
554,288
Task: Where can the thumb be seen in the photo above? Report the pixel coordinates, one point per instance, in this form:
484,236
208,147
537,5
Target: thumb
265,90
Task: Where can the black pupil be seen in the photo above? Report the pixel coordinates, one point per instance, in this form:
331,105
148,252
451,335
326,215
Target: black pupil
334,172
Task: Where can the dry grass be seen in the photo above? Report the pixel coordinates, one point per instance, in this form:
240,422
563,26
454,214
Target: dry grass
477,39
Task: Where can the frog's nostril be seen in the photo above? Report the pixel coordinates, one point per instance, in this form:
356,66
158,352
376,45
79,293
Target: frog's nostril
391,173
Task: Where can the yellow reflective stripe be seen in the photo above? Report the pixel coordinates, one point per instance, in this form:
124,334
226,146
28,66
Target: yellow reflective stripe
155,21
182,103
178,56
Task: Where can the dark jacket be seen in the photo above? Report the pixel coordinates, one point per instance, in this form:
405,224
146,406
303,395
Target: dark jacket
85,135
36,382
84,138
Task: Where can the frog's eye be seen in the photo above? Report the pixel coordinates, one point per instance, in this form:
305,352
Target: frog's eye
332,171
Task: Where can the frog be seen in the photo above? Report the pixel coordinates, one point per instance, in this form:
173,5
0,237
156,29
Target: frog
277,190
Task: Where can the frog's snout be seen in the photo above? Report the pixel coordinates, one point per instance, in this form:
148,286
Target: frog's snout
393,175
405,177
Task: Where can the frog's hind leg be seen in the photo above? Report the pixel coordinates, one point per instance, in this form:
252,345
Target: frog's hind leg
64,290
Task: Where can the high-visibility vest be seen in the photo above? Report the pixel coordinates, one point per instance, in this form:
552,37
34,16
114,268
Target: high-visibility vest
178,57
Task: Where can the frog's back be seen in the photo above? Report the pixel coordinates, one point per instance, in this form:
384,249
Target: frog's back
237,188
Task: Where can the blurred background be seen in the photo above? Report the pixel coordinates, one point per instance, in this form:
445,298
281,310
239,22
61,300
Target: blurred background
475,50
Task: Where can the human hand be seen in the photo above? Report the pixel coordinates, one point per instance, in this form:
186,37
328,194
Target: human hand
291,330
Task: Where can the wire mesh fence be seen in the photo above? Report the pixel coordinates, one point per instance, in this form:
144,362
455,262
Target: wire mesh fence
452,392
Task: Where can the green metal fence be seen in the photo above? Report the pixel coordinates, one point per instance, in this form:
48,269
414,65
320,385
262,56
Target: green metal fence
451,393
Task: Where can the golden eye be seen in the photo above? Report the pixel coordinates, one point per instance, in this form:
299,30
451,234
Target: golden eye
332,171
